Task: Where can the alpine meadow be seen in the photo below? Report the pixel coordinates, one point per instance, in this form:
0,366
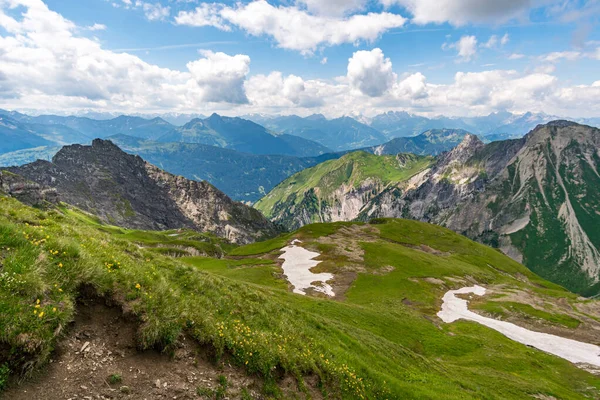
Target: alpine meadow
303,199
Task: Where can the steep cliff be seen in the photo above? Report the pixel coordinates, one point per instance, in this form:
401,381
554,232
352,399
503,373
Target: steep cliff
536,198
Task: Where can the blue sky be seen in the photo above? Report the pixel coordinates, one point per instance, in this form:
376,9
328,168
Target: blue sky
454,57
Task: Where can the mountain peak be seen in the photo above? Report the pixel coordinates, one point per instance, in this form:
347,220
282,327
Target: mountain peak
125,190
316,117
470,141
215,117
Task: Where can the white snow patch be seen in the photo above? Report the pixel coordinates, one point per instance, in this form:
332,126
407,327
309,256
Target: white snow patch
297,265
454,308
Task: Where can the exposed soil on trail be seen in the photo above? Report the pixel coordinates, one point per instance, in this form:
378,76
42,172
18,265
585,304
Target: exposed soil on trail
101,345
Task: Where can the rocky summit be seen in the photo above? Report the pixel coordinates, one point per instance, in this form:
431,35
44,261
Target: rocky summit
535,198
124,190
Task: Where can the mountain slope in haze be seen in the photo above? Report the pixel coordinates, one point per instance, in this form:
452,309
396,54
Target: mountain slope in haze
124,190
29,155
431,142
500,125
17,136
242,176
89,129
337,190
379,338
537,198
337,134
242,135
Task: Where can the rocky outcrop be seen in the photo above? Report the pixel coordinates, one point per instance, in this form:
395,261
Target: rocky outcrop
26,191
126,191
536,198
337,190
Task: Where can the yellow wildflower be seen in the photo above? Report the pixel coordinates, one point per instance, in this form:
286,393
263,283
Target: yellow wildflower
41,314
138,286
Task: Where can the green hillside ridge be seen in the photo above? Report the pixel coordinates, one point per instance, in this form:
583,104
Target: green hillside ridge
378,339
351,170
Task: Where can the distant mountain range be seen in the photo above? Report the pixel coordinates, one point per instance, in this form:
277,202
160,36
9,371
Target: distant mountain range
21,131
242,176
337,134
242,135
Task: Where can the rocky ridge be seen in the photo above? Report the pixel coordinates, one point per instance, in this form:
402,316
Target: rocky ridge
536,198
124,190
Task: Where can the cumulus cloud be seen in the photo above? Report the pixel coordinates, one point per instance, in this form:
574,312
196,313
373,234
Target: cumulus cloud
466,47
204,15
332,7
44,62
274,91
45,65
156,11
221,77
413,87
516,56
293,28
370,72
462,12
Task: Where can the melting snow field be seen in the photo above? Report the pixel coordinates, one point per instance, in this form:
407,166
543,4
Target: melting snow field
454,308
296,266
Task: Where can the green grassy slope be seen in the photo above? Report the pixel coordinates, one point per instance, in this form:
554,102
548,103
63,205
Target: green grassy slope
322,180
381,339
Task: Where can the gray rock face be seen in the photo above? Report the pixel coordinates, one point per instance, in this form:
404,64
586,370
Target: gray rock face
26,191
126,191
536,198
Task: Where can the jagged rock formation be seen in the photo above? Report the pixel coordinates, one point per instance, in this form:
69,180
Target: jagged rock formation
536,198
124,190
25,191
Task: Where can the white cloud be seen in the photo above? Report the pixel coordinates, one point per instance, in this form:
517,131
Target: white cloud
561,55
221,77
492,42
466,47
516,56
293,28
332,7
324,60
46,66
156,11
370,72
96,27
275,92
204,15
43,62
462,12
413,87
